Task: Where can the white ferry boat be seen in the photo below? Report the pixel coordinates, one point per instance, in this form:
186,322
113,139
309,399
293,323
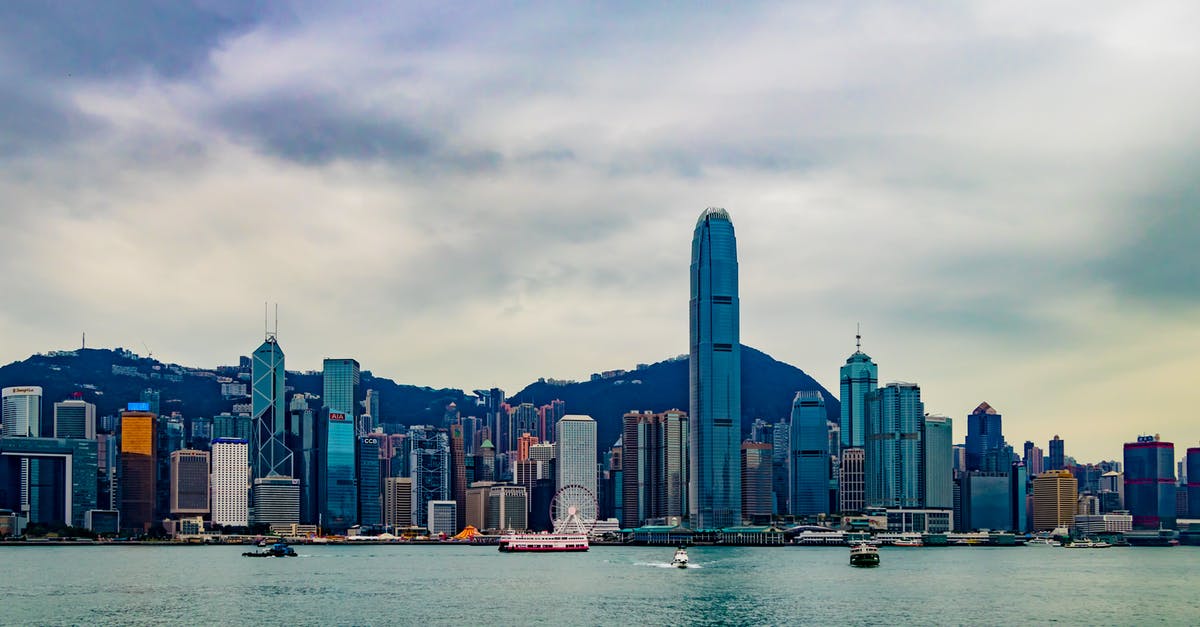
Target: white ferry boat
681,558
542,542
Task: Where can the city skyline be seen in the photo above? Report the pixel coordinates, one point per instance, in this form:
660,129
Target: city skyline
975,185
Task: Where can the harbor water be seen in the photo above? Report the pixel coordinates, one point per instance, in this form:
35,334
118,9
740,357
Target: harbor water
463,585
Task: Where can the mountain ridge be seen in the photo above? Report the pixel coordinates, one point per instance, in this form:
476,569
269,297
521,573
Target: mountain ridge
110,378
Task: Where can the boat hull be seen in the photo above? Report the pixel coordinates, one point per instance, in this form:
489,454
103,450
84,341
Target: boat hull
864,561
574,549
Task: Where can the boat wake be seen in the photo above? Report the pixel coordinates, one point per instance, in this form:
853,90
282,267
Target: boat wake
665,565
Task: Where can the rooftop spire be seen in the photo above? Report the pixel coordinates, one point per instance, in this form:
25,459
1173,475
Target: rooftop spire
858,339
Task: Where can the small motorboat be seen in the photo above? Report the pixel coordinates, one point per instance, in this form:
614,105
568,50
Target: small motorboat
279,549
681,558
863,554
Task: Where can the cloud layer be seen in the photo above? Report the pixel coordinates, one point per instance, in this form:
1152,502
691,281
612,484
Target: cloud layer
1004,197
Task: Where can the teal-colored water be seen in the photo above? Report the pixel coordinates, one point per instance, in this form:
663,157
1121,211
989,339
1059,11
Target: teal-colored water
464,585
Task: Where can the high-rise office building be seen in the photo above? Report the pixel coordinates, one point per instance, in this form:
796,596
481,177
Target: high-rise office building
271,455
893,453
851,487
809,487
189,483
654,459
429,462
781,464
576,461
397,502
21,412
153,400
370,508
1054,498
715,375
756,480
675,425
370,418
859,377
1150,482
301,438
1192,465
1057,456
230,482
137,478
548,416
341,379
51,481
1034,463
507,508
232,427
337,488
937,468
522,420
984,436
277,500
523,443
75,419
986,502
491,402
458,472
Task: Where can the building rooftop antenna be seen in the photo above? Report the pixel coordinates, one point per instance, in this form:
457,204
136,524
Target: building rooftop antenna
858,338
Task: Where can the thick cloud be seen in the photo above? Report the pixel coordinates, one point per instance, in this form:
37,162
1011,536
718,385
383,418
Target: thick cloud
472,195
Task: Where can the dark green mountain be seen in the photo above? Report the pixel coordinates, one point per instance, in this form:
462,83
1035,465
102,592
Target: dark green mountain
768,387
112,378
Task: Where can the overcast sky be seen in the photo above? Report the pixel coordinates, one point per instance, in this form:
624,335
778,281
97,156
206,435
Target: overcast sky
1003,194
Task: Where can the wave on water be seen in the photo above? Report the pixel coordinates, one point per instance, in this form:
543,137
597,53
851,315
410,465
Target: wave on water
665,565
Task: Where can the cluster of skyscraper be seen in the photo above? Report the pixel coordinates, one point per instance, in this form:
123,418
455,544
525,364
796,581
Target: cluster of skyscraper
325,461
886,454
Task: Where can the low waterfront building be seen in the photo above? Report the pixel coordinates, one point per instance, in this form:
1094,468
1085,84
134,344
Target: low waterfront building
751,536
661,534
1090,524
920,520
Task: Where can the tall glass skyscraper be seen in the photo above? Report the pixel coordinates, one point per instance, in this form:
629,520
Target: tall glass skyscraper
809,442
859,377
1150,482
1057,456
271,455
937,462
893,452
984,437
337,493
715,375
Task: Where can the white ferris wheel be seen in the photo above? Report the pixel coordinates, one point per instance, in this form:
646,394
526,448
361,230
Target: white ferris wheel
574,509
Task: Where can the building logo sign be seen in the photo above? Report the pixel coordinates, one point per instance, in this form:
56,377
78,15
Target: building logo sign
370,440
337,417
27,389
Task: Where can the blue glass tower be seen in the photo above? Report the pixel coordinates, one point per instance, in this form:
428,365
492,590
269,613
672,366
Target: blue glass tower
370,507
859,377
337,493
984,437
715,376
893,453
270,456
810,455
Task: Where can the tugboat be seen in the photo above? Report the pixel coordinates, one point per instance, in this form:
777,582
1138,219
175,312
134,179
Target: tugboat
681,558
279,549
864,554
